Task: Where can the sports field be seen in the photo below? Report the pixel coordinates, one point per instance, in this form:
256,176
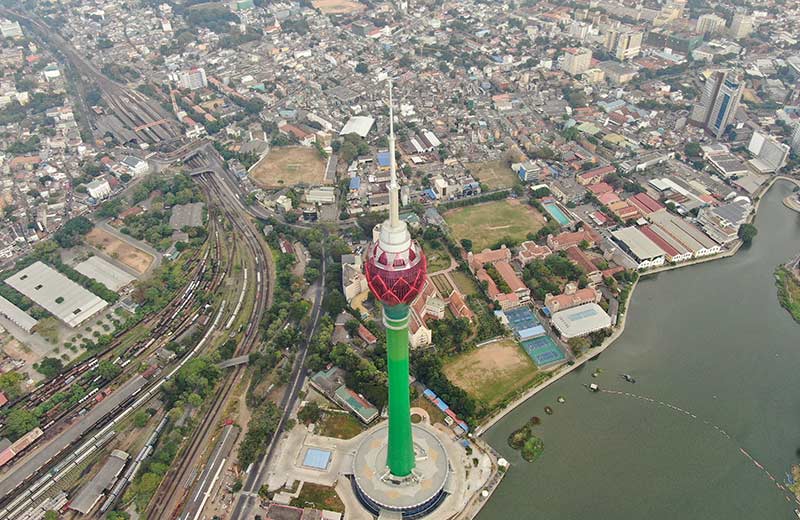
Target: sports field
495,174
489,223
493,372
129,255
289,165
337,6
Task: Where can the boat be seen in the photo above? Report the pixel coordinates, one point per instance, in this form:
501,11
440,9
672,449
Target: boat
594,387
797,512
548,410
561,399
629,378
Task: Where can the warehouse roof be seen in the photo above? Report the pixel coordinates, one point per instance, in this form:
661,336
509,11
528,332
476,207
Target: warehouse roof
17,316
88,496
56,293
104,272
581,320
360,125
638,243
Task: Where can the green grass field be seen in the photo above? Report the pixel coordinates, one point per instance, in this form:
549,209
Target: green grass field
490,223
492,373
495,174
466,285
340,426
318,496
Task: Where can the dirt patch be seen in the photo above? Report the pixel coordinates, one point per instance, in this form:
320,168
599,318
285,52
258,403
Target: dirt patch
492,372
288,166
16,350
337,6
495,174
129,255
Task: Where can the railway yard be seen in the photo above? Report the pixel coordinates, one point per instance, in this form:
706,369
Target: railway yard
220,306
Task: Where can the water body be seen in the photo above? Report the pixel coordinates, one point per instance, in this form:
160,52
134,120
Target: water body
710,339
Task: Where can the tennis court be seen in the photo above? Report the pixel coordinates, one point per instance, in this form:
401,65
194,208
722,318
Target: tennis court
521,318
544,351
317,458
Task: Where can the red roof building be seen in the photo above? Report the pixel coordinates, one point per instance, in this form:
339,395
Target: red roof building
646,204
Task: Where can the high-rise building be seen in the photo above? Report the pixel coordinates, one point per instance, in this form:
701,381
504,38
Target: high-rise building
624,44
741,26
796,139
576,61
710,24
193,79
769,155
718,103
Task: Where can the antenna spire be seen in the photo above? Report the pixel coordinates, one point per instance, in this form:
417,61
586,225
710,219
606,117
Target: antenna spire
394,188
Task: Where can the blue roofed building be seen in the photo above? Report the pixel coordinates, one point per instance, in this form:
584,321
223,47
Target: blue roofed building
384,160
355,183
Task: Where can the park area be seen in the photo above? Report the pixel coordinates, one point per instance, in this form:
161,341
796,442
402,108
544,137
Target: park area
288,166
436,254
118,249
495,174
493,372
337,6
493,223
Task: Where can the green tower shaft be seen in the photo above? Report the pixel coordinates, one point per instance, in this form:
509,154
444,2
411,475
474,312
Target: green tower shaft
400,453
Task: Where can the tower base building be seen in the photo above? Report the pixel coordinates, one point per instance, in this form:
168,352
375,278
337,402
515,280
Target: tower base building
413,496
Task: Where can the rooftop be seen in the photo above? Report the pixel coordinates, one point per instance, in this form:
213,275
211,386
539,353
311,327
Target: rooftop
56,293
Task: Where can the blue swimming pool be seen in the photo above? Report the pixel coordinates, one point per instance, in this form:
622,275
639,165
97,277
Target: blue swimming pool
317,458
556,213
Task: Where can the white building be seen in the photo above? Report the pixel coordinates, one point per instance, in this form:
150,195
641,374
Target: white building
769,155
57,294
51,72
193,79
135,166
639,247
321,195
99,188
581,320
10,29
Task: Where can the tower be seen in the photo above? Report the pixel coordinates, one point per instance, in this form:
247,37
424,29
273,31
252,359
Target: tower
396,271
400,470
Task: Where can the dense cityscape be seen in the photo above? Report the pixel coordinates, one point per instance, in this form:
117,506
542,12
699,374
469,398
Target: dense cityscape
233,231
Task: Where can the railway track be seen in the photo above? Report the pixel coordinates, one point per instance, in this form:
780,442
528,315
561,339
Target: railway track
172,494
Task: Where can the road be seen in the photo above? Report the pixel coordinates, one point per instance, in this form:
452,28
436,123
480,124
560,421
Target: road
249,495
210,476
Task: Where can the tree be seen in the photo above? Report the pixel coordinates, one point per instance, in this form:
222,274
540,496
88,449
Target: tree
352,327
140,418
362,68
692,149
466,244
310,413
11,384
747,232
108,370
50,367
19,422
